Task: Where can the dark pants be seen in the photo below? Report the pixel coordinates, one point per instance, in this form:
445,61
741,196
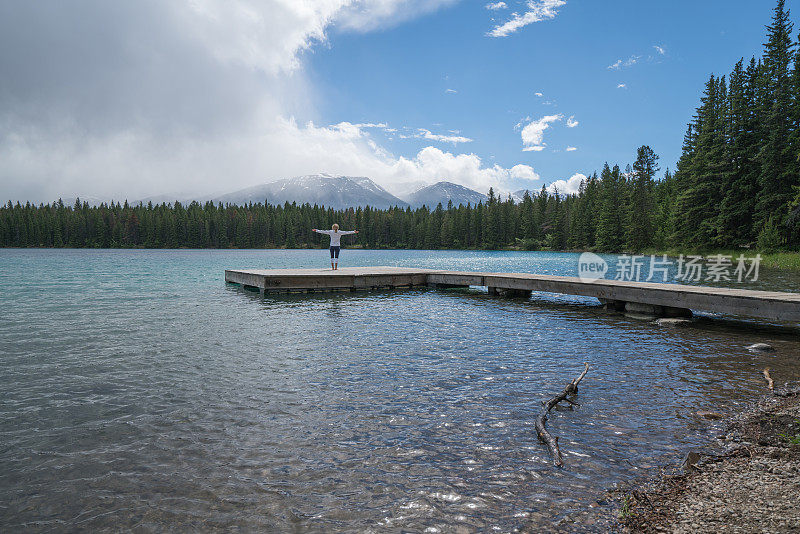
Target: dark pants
335,252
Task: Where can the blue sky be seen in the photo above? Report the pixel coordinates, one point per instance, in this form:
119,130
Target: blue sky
194,97
400,76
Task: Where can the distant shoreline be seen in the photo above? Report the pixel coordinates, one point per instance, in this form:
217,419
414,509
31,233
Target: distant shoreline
780,260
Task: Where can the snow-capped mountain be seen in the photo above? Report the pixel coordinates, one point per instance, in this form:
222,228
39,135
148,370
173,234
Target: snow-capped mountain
92,201
518,196
163,199
404,189
338,192
444,192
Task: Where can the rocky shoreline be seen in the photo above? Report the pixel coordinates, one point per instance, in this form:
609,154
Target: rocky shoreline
753,486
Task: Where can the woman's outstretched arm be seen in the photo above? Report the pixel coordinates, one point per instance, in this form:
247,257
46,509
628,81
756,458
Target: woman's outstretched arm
348,232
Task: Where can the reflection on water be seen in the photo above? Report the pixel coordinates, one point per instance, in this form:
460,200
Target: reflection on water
139,391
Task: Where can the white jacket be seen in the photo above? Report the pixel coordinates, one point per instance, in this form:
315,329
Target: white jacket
336,236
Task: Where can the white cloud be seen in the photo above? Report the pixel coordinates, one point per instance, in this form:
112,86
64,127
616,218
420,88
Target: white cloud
367,15
634,59
568,187
533,133
378,125
106,137
621,64
571,122
450,91
432,165
571,149
495,6
129,121
523,172
455,139
622,86
346,149
537,11
268,36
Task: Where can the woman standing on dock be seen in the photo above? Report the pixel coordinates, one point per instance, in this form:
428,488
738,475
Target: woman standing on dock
336,237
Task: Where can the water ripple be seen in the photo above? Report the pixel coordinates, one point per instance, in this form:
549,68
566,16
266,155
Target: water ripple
138,391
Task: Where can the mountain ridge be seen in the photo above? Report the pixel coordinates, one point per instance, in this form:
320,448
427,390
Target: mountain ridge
444,192
337,192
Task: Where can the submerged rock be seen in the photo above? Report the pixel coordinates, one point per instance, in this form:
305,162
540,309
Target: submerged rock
761,347
673,321
712,416
639,316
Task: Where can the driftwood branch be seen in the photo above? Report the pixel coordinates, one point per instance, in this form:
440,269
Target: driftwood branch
786,390
541,430
770,383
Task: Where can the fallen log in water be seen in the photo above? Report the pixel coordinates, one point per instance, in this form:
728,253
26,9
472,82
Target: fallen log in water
770,383
786,391
541,430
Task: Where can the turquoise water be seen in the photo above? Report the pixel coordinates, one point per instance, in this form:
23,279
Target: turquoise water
140,391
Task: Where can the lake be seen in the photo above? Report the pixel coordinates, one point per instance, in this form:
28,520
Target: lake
139,391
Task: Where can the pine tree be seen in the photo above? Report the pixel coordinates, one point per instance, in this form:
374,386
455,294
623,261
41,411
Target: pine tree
703,170
642,203
739,189
778,164
793,218
610,227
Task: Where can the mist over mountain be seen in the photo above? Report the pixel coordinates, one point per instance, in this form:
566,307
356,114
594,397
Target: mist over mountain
338,192
444,192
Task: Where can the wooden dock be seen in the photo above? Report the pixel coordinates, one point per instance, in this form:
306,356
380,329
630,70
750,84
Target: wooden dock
634,297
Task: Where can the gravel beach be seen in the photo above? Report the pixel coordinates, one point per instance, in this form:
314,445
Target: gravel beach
753,487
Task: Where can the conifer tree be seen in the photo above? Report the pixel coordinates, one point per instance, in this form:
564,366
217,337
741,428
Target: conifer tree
642,203
610,228
739,189
703,172
778,164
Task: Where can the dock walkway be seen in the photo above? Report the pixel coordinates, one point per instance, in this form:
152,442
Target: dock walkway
637,297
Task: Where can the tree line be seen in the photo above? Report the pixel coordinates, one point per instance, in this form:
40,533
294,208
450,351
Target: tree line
600,216
542,220
493,224
737,183
738,178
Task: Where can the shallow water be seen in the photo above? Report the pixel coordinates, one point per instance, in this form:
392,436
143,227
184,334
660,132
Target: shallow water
138,390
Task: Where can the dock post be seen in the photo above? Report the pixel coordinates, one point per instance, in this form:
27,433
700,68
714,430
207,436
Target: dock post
493,291
614,305
636,310
516,293
670,311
